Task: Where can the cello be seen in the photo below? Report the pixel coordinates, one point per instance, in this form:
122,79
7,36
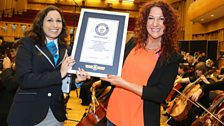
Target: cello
179,107
177,86
214,116
183,70
97,109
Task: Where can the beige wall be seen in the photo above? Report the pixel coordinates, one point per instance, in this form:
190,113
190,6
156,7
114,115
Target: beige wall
187,24
192,28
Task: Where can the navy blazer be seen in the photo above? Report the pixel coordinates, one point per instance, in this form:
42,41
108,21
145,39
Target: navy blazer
158,86
39,85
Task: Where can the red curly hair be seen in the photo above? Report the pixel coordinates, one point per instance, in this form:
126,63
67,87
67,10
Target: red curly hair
169,41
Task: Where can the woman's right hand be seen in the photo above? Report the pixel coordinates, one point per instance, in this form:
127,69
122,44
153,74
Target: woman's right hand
66,65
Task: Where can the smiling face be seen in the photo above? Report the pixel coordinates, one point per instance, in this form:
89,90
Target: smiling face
52,24
155,23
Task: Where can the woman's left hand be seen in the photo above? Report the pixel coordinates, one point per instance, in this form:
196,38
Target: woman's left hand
114,80
82,75
196,94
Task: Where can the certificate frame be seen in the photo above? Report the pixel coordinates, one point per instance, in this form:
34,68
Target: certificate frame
112,24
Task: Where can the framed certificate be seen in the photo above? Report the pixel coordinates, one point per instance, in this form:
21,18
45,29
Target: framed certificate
99,42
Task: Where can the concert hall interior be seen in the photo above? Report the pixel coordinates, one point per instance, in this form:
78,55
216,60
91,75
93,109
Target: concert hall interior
201,45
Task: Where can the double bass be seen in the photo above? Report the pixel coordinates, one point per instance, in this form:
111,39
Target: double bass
214,116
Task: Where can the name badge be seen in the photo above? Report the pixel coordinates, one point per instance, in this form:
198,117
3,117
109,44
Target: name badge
66,85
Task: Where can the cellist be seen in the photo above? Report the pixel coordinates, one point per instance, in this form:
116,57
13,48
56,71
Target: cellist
216,108
183,72
206,88
199,74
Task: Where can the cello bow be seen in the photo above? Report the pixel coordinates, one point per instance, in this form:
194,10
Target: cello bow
199,105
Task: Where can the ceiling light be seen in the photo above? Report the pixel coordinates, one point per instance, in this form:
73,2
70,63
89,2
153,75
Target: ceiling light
128,0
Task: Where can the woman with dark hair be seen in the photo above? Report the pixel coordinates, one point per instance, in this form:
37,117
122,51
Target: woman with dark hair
149,69
42,65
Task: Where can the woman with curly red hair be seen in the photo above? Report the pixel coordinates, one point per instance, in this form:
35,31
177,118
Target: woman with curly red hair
149,70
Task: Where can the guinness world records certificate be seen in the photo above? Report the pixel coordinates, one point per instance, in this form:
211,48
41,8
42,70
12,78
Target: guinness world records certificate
99,42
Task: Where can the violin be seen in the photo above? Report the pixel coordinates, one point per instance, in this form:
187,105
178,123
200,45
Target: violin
214,116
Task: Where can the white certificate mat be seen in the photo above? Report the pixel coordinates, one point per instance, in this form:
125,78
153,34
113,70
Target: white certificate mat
100,42
98,49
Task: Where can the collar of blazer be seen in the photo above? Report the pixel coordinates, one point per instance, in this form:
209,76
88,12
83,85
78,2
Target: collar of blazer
49,57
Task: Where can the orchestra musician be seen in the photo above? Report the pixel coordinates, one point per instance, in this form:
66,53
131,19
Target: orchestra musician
208,87
200,71
183,72
215,113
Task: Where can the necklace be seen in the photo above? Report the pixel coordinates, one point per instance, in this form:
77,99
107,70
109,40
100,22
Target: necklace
156,50
151,48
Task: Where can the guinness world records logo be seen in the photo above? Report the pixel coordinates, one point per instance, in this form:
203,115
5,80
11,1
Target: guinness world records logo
102,29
